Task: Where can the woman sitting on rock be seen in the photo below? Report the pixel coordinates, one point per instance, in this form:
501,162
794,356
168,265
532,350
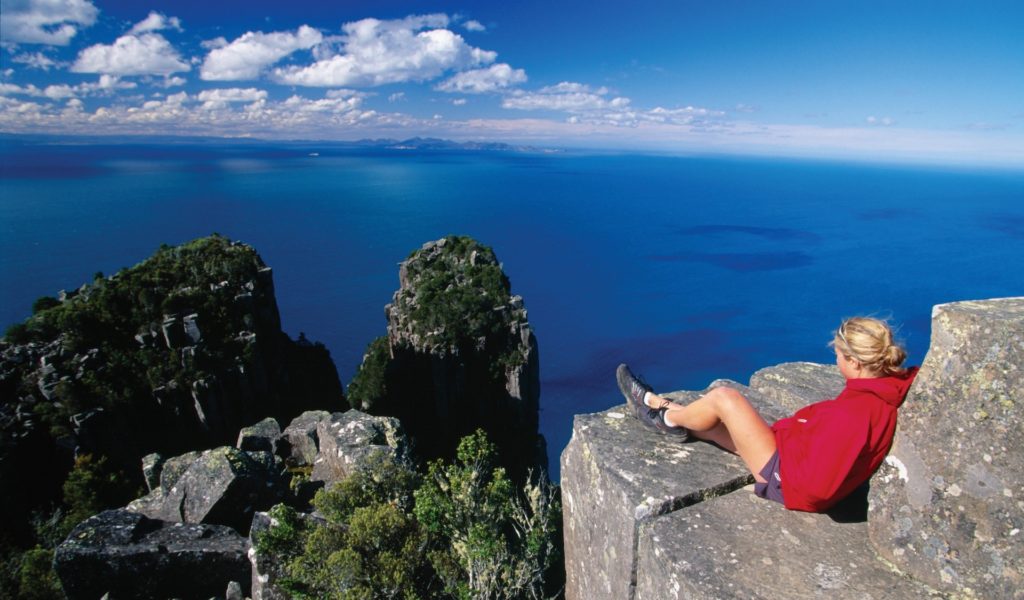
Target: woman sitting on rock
818,456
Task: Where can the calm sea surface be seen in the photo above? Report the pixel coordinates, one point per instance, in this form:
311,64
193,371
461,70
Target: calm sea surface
690,269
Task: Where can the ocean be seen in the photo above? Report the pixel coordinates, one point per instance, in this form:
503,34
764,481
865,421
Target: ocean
687,268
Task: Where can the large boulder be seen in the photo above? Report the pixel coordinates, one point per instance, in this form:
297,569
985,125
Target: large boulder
951,509
223,486
128,555
351,439
259,437
617,475
298,444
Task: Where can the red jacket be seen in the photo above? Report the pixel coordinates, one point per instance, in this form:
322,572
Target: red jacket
829,448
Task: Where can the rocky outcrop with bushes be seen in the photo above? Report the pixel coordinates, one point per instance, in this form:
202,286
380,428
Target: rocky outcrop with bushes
459,354
173,354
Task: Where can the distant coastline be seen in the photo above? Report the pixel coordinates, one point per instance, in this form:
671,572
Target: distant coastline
308,146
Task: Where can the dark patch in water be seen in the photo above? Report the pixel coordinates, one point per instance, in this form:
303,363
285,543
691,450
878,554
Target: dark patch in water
884,214
1011,225
769,233
743,262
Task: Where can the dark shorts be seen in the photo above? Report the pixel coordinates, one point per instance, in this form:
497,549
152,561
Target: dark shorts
773,489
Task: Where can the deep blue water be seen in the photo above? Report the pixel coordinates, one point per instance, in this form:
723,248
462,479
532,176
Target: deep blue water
689,269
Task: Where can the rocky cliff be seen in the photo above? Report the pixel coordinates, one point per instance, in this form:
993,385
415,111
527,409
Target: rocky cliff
648,518
459,354
187,537
173,354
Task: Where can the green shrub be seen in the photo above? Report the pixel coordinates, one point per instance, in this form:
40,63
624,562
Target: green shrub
368,385
44,303
37,580
487,540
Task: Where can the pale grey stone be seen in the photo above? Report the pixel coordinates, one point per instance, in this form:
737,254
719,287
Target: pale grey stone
352,439
948,509
615,475
741,546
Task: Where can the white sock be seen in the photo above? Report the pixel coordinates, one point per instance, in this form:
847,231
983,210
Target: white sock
664,417
647,399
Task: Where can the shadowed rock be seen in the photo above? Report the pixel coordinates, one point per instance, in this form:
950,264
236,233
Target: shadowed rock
128,555
259,437
298,443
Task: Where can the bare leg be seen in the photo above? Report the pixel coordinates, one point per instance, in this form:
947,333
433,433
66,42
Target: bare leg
725,417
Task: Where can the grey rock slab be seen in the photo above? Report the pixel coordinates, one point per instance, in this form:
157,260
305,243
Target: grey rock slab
351,439
951,509
223,486
129,555
298,443
794,385
741,546
616,474
261,436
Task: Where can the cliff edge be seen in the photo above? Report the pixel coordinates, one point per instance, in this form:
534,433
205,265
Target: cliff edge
646,517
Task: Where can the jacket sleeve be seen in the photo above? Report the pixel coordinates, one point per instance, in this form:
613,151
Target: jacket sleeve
822,447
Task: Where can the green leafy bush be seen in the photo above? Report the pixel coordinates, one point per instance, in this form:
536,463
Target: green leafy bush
487,541
464,531
369,384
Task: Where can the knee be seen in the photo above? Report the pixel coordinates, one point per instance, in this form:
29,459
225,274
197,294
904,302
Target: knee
728,399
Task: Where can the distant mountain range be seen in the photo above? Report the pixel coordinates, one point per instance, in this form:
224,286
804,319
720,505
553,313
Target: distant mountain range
416,143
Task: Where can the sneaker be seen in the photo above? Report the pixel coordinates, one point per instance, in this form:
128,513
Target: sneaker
634,389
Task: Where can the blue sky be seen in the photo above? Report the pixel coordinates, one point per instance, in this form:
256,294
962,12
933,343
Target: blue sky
908,81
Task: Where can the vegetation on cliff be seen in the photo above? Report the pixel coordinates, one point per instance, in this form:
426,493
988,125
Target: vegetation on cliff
459,355
173,354
179,352
462,531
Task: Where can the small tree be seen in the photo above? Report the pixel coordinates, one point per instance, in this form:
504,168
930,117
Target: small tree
487,540
369,545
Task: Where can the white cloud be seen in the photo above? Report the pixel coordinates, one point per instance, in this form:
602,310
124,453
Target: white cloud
59,92
155,22
213,44
248,55
221,98
883,121
473,25
170,82
396,97
104,86
565,96
11,89
145,54
479,81
44,21
596,106
342,93
458,102
36,60
375,52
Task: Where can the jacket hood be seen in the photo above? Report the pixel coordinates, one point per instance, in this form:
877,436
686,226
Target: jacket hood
892,389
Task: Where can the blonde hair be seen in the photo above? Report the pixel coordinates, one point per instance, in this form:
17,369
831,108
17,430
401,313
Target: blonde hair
870,342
